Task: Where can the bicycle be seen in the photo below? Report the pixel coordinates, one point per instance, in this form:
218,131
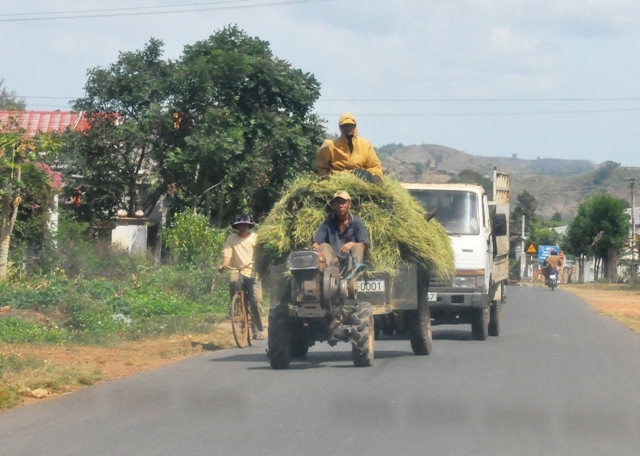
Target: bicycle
241,321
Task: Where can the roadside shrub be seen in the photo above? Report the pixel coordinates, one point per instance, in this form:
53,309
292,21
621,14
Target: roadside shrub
15,330
191,240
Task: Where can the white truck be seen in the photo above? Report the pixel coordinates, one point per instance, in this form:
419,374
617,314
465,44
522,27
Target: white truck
479,233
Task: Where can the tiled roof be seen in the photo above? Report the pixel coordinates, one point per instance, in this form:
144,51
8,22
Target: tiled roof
35,122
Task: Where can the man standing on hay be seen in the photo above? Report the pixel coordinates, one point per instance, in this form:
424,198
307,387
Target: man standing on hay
349,152
342,235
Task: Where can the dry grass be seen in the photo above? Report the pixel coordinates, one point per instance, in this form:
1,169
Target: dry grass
613,300
60,369
394,219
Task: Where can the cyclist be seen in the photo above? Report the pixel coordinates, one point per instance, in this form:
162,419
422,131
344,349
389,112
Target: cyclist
239,253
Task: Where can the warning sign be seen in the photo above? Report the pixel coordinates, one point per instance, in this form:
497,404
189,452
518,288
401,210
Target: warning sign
532,249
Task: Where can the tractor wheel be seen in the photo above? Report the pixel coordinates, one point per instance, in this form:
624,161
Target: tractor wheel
279,340
299,345
362,335
420,329
480,324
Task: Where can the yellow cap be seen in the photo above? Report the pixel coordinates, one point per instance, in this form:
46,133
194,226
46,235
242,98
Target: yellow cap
341,194
347,121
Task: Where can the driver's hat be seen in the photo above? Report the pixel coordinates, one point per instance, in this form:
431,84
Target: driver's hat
341,194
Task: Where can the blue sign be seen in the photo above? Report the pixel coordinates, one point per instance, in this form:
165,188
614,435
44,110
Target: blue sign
545,250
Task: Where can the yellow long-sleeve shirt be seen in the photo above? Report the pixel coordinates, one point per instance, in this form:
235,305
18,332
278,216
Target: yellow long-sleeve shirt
335,156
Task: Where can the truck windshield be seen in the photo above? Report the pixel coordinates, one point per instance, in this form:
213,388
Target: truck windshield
457,211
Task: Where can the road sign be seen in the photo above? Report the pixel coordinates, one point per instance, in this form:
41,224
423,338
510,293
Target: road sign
545,250
532,249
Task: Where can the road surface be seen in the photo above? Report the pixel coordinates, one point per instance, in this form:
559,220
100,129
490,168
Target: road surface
560,380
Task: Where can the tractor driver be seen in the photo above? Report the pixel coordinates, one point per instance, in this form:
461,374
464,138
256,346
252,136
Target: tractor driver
342,235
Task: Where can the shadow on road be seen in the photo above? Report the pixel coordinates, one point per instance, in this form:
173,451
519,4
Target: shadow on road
313,360
452,334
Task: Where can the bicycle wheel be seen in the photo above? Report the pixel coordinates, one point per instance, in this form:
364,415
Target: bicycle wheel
239,320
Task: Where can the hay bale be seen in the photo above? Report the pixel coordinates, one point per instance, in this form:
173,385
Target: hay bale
394,219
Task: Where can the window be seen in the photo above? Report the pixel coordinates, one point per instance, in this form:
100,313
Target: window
457,211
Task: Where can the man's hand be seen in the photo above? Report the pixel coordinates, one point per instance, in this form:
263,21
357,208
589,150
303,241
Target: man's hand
347,247
315,246
221,267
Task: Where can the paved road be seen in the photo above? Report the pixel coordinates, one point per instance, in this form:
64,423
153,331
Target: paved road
559,381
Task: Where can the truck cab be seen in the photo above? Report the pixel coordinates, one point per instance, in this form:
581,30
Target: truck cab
478,230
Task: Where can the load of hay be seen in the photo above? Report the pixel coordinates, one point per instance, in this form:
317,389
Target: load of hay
394,219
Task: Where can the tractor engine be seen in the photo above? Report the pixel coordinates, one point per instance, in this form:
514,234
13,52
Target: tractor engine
317,288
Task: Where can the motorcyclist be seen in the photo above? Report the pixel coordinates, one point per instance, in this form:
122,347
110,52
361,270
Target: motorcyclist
551,263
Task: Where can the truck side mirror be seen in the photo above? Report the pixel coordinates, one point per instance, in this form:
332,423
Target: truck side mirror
500,225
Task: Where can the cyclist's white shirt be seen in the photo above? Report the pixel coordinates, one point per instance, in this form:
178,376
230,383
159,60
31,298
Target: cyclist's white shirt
240,252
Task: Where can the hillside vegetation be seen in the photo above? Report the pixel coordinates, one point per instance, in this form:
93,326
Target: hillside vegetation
558,184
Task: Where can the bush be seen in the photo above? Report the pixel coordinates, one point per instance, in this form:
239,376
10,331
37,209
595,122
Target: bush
191,240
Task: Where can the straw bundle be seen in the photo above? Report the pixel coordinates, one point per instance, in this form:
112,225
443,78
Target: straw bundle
394,219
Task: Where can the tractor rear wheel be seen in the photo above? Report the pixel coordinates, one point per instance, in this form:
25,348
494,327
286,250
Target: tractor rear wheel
279,340
362,335
420,329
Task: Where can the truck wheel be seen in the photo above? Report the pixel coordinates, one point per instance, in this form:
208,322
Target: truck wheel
495,312
279,341
420,329
362,337
299,346
480,324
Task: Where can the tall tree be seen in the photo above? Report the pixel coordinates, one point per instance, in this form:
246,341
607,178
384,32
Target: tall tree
600,228
9,100
468,176
249,122
131,133
527,205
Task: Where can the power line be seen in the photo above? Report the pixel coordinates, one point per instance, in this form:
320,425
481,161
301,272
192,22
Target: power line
49,98
471,100
184,5
148,13
486,114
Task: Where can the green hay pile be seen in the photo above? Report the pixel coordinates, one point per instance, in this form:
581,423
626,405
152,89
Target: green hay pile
394,219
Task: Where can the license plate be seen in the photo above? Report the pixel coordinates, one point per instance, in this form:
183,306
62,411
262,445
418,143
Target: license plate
552,276
432,296
371,286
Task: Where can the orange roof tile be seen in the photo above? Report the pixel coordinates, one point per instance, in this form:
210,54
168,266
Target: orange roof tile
35,122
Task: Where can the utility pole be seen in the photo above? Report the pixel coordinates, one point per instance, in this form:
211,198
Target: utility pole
632,241
523,254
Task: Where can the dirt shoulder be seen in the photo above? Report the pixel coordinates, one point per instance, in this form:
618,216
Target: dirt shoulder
612,300
34,372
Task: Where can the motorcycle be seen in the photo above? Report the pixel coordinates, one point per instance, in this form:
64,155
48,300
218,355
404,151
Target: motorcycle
552,281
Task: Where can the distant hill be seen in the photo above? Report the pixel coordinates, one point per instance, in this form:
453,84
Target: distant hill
558,184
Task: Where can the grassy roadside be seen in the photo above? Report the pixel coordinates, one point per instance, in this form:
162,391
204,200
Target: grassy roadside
619,301
32,371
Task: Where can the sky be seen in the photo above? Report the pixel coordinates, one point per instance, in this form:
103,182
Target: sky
537,78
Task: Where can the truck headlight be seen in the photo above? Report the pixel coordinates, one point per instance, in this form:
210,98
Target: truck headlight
303,261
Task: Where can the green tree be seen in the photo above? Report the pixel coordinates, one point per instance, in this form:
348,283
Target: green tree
467,176
131,133
526,205
19,158
600,228
250,124
9,100
556,217
389,149
222,129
